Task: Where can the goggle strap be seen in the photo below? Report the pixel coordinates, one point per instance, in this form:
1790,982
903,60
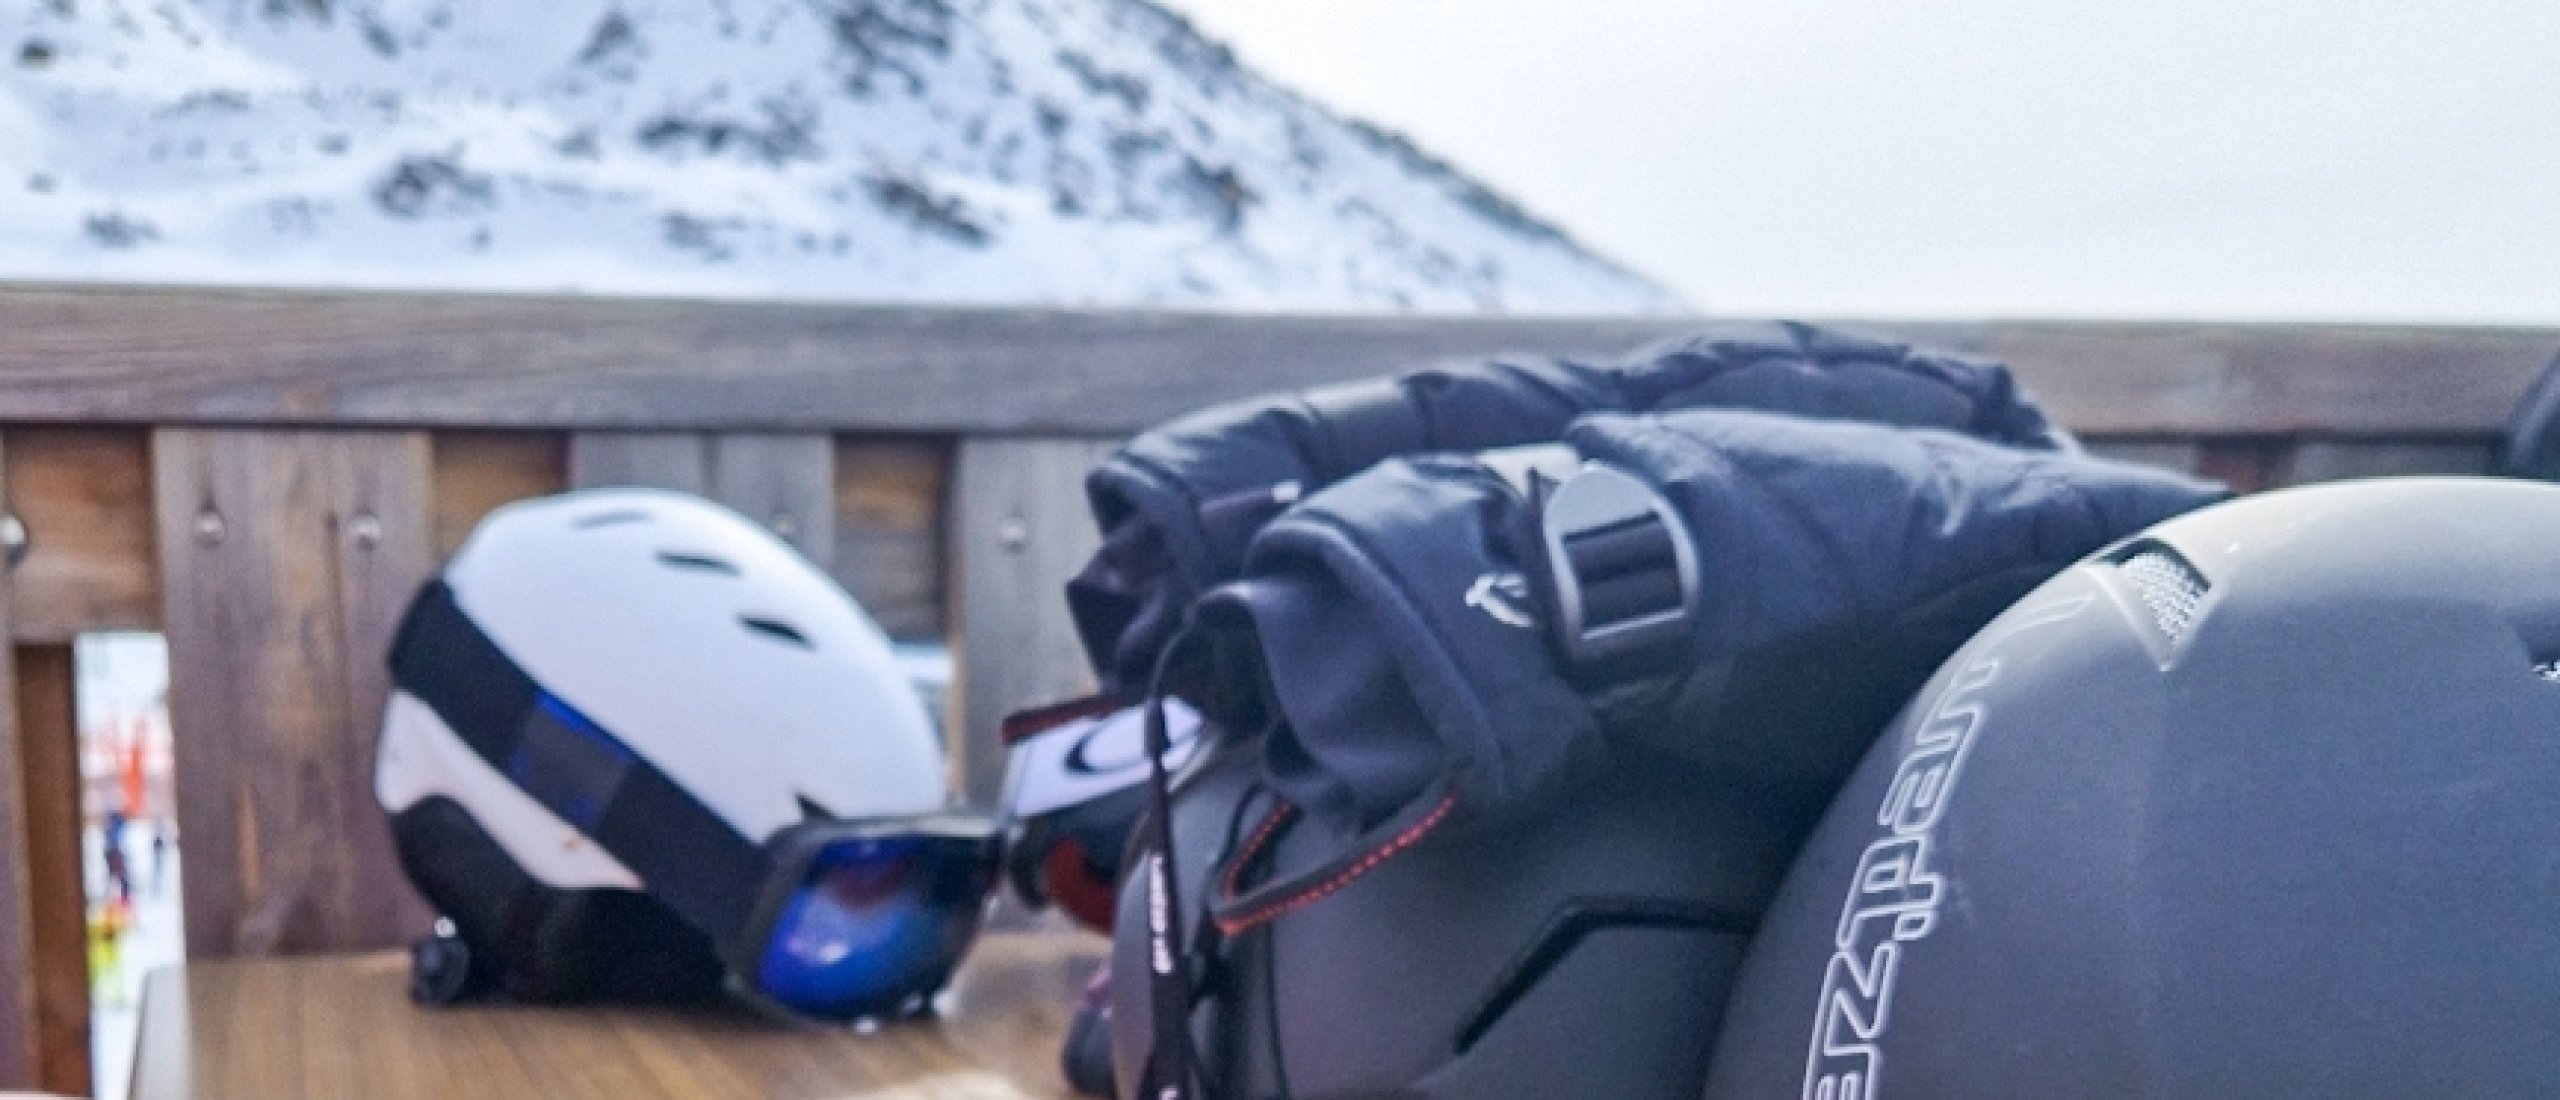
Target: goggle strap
686,856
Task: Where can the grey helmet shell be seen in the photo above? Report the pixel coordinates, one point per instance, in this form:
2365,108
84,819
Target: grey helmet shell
1580,946
2264,802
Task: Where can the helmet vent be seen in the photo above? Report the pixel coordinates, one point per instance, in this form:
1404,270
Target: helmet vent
697,563
777,630
609,519
2169,586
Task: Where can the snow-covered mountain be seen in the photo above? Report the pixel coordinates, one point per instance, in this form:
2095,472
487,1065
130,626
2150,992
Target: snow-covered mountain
1049,151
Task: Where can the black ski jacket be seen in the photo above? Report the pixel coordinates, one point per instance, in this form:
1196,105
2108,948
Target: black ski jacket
1177,505
1364,569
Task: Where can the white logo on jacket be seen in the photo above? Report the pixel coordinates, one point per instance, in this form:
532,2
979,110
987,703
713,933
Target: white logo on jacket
1505,598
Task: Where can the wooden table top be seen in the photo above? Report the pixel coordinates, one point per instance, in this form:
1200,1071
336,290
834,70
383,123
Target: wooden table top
342,1027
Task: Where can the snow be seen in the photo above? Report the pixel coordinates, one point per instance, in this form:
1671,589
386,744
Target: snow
121,685
1060,152
156,939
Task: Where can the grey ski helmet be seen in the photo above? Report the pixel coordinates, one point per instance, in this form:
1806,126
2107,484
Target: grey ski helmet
2264,802
1577,947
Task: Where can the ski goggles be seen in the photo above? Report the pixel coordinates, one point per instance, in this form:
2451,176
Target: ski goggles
868,918
828,918
1074,791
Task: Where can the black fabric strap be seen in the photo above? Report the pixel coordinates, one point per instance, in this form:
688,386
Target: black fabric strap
1172,1069
440,657
686,856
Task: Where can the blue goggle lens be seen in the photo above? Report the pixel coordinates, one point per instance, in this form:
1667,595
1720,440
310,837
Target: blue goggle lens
876,925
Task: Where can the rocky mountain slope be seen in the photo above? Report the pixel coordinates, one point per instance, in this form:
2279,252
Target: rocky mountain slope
1030,151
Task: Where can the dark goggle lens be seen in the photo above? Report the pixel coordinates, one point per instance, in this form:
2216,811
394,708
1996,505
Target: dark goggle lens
876,925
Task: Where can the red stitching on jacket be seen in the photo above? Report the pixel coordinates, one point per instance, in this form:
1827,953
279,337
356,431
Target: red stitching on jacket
1239,925
1280,812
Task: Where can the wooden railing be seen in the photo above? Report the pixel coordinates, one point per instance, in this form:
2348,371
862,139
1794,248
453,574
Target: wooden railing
265,476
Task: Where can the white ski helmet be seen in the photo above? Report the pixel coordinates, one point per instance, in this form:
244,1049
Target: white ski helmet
606,713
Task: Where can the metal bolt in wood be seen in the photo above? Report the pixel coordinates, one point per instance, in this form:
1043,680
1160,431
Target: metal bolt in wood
13,539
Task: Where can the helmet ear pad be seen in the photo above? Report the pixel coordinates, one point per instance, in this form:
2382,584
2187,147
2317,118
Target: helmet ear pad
550,944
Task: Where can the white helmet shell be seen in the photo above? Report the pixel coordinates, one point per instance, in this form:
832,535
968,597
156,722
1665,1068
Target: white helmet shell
694,636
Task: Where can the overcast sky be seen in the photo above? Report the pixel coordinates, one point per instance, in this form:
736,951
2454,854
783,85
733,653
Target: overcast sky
2166,158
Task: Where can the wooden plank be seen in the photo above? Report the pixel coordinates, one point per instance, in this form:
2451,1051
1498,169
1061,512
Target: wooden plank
2332,460
329,1028
2199,378
20,1054
1019,530
889,544
664,460
343,357
44,961
47,721
274,356
475,472
2174,454
84,496
2245,464
288,557
784,480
